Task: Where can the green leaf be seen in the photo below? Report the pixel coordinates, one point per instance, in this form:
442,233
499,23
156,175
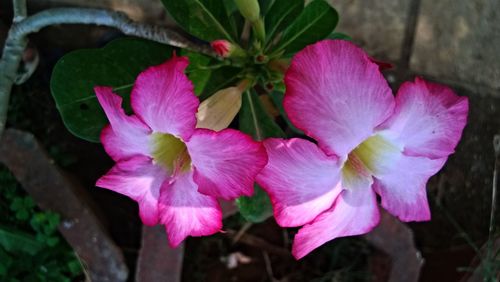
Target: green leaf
205,19
277,98
265,5
29,203
339,35
17,241
220,78
116,65
255,121
256,208
51,241
236,20
5,262
74,267
22,215
281,14
17,204
196,71
316,22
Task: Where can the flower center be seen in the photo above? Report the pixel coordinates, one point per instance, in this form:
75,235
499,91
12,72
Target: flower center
170,152
372,157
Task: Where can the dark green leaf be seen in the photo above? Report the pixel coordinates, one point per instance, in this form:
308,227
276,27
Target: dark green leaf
17,204
316,22
205,19
236,20
5,262
281,14
18,241
255,121
22,215
74,267
256,208
52,241
28,202
196,71
117,65
277,98
339,35
265,5
220,78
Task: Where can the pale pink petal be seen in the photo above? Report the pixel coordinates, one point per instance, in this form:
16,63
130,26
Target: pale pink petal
125,136
186,212
300,180
336,94
140,180
428,119
163,97
355,212
403,189
225,162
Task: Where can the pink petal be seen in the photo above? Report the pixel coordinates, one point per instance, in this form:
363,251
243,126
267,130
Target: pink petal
403,190
185,211
300,180
355,212
225,162
428,119
163,97
126,136
140,180
335,94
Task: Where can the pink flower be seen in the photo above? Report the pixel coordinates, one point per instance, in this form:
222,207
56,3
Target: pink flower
368,142
172,169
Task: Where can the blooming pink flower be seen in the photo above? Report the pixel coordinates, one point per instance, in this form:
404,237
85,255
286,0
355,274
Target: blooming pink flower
368,142
173,170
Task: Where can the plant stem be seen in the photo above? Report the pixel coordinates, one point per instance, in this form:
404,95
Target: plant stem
17,38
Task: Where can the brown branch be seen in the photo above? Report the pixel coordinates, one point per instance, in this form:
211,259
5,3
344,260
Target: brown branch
17,38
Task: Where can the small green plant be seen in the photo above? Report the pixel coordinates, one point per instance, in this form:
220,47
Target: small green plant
31,249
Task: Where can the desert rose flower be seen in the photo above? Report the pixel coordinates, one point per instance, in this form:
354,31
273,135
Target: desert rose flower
369,142
173,170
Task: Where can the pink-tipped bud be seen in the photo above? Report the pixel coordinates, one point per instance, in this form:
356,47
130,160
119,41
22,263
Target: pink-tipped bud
381,64
226,49
221,47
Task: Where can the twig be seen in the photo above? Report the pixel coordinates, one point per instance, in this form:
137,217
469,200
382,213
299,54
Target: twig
491,231
260,243
241,232
286,240
269,267
17,38
20,11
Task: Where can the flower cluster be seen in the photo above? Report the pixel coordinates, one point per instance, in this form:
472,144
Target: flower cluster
368,142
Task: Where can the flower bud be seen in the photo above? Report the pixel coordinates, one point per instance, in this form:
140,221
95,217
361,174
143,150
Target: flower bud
226,49
219,110
381,64
249,9
279,65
